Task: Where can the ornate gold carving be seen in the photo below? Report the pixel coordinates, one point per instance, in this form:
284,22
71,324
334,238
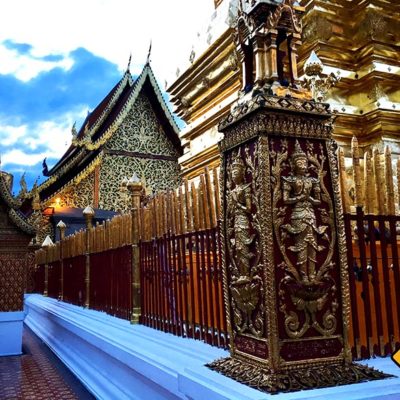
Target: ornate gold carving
272,102
315,81
307,286
282,15
288,381
23,188
20,221
141,132
267,121
12,273
331,148
243,235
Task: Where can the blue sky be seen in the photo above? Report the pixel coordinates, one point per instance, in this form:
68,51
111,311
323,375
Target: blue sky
59,60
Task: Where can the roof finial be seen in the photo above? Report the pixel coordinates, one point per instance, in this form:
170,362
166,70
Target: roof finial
45,168
129,62
149,53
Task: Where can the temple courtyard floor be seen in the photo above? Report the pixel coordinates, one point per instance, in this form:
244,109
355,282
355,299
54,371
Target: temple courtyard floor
116,360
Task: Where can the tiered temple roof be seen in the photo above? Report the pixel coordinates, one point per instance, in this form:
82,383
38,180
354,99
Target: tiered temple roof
12,205
86,150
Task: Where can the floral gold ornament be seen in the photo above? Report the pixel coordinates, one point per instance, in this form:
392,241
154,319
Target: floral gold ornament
315,79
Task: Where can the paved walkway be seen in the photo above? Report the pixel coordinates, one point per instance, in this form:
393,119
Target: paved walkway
38,374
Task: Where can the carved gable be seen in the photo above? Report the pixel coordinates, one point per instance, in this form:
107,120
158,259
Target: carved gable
141,132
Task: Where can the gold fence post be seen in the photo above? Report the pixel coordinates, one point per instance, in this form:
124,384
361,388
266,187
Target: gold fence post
135,187
45,246
88,213
61,226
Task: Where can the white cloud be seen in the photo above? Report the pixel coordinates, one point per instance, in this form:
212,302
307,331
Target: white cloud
19,157
10,134
25,67
52,137
111,29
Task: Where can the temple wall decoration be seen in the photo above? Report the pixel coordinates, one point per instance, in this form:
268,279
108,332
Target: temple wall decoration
79,195
140,132
244,249
13,261
156,174
12,273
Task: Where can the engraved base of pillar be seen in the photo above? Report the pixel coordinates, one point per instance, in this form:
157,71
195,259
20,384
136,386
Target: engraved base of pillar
292,380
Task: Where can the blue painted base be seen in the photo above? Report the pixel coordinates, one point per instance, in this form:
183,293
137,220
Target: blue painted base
11,333
117,360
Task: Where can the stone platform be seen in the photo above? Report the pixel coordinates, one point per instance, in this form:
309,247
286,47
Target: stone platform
115,359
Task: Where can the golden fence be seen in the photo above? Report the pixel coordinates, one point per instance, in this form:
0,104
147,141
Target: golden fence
369,180
188,209
111,234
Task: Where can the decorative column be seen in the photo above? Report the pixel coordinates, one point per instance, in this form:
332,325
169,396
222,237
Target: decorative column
45,246
272,55
135,187
88,213
284,251
61,226
258,43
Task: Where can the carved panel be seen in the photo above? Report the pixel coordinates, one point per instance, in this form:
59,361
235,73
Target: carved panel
79,195
12,278
156,174
243,248
141,132
307,267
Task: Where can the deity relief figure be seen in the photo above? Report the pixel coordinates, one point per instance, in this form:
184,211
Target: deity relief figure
303,192
239,207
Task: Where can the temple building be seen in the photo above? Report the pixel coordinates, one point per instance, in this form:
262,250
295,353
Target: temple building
15,235
130,132
356,43
265,252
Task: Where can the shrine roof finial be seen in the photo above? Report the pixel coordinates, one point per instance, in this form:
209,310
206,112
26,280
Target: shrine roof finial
149,53
129,63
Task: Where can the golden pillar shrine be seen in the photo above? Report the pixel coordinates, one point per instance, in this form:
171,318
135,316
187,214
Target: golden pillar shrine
284,265
358,41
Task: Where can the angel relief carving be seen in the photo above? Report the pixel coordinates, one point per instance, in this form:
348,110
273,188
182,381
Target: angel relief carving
304,228
303,193
243,227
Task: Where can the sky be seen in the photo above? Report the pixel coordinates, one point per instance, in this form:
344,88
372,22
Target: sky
59,59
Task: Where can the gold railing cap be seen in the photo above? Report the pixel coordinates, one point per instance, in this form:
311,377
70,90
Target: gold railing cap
47,242
88,211
61,224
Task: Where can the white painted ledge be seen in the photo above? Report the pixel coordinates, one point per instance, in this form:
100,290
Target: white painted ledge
117,360
11,333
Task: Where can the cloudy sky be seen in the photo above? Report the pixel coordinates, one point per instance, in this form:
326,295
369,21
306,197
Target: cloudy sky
60,58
